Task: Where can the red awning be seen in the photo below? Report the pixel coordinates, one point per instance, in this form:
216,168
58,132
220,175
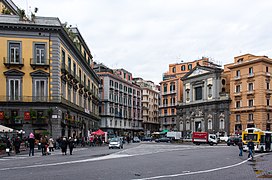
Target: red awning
99,132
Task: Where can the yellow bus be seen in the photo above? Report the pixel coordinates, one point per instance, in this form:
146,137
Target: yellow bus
254,134
261,139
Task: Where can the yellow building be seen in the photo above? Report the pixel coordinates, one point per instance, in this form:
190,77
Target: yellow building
48,85
171,91
250,91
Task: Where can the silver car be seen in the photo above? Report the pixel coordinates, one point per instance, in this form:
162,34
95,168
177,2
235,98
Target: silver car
116,143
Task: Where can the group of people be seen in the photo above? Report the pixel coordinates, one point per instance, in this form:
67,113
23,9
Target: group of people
64,142
13,143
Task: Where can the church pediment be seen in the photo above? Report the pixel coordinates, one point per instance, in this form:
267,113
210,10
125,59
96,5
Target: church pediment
198,71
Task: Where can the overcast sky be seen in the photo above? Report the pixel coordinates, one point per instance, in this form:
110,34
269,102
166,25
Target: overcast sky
145,36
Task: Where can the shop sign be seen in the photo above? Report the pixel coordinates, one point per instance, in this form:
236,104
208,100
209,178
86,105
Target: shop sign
27,116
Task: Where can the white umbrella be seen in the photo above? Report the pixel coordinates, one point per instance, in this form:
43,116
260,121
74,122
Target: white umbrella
5,129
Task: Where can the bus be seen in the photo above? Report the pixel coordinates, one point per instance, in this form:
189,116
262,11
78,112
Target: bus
261,139
266,141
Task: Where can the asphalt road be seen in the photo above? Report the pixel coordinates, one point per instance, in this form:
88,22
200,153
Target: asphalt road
136,161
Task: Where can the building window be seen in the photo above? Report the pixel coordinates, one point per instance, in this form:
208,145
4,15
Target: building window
238,118
250,70
40,53
250,117
80,100
267,85
250,86
165,88
250,102
209,91
40,91
187,126
63,58
172,111
268,102
221,124
198,93
165,112
14,89
74,64
268,116
237,89
267,70
209,124
74,96
69,92
238,73
63,89
181,126
173,70
238,104
189,66
183,67
14,52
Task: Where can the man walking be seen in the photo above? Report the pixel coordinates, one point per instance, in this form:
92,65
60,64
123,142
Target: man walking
240,146
250,146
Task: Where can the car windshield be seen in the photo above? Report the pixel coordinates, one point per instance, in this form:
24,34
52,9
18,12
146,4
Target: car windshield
114,140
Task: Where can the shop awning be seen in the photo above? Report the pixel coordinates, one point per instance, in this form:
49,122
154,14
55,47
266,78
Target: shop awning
5,129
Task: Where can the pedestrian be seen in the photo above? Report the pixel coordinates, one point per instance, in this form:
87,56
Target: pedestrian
8,148
82,142
17,144
63,146
43,142
250,146
71,145
31,142
91,141
240,146
51,144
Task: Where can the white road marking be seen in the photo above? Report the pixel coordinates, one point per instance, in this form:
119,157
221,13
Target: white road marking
198,172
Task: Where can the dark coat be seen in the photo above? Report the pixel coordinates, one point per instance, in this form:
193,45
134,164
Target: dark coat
31,142
250,145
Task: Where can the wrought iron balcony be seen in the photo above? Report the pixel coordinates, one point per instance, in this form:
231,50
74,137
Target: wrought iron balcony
35,63
9,62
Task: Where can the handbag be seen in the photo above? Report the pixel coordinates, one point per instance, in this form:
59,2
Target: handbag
7,150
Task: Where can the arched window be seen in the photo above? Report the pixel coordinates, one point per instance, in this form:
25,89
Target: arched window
187,125
181,126
209,124
221,124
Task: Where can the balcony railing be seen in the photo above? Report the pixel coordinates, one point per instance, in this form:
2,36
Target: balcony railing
237,77
8,62
64,68
29,99
35,63
250,75
40,121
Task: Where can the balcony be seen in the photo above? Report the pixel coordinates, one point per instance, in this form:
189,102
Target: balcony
9,62
71,73
64,69
268,91
250,75
41,63
268,74
237,77
237,94
250,92
40,121
244,109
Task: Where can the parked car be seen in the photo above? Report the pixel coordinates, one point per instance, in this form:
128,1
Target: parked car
233,141
136,140
163,139
147,139
116,143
